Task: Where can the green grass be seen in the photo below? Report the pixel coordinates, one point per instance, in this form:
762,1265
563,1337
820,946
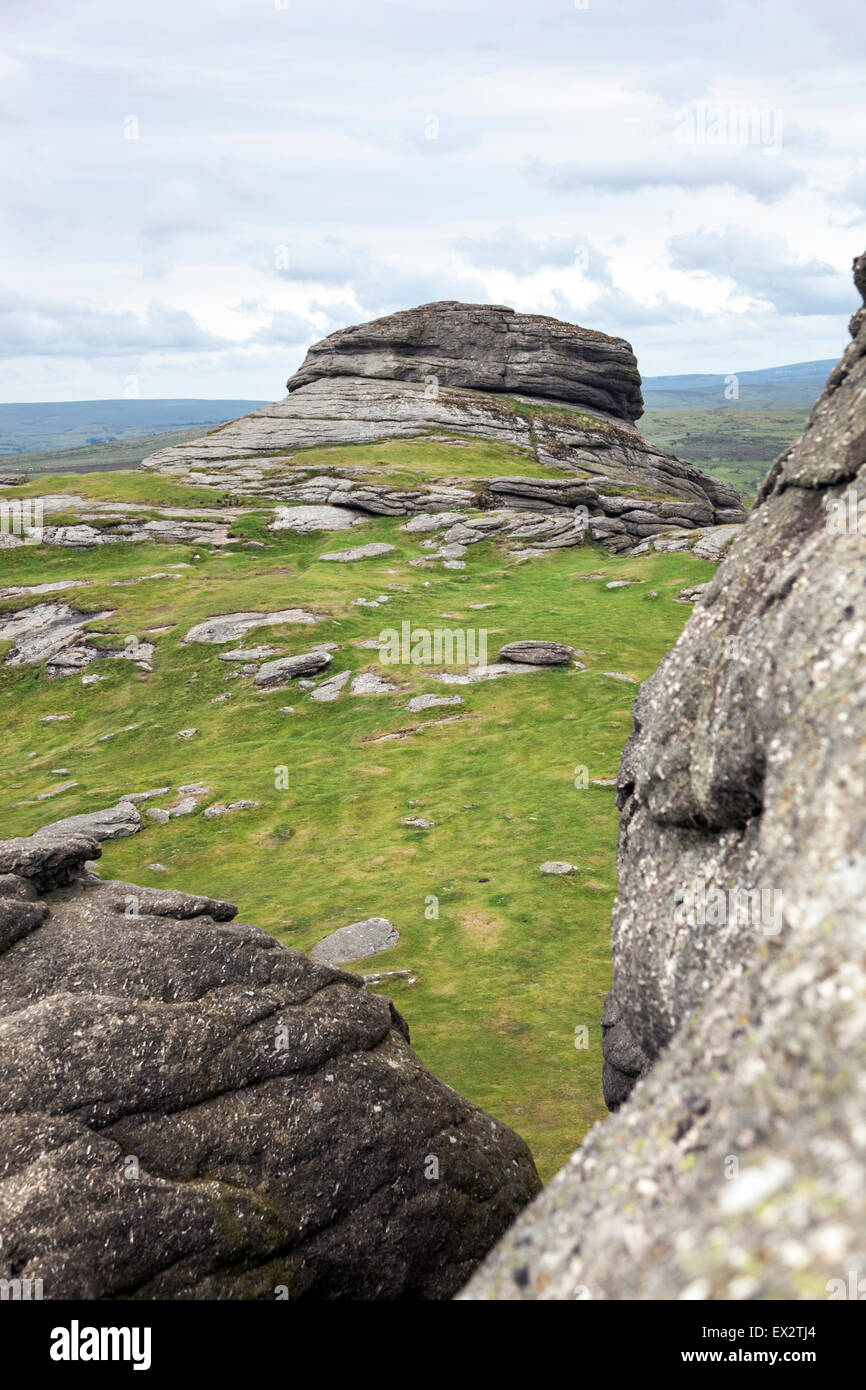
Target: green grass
423,459
515,960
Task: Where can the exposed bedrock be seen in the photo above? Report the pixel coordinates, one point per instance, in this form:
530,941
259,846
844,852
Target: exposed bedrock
735,1033
190,1110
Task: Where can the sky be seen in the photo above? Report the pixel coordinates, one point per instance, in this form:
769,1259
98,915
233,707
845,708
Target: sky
195,190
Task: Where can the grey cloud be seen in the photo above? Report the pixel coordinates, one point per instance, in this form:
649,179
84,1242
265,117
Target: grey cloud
523,255
764,268
764,176
29,328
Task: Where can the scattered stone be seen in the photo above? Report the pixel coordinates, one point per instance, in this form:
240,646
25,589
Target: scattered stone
693,594
356,941
359,552
420,822
158,868
223,809
233,627
248,654
485,673
157,814
331,688
557,866
115,823
187,733
537,653
421,702
369,684
53,718
135,797
621,676
184,807
287,668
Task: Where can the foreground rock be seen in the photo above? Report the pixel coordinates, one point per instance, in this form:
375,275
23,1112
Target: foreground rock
736,1167
192,1111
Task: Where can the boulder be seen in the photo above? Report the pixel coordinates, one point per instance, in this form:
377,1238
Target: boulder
359,939
536,653
192,1111
287,668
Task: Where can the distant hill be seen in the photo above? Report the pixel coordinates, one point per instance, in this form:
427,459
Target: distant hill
798,384
48,425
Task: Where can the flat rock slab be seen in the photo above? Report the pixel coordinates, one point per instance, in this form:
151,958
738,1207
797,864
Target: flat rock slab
248,653
537,653
115,823
369,684
419,702
485,673
557,866
356,941
359,552
315,518
232,627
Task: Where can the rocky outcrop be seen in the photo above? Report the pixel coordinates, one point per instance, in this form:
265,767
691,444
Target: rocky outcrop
563,397
735,1034
191,1111
484,347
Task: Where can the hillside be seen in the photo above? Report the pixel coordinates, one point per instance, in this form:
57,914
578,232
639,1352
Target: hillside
368,788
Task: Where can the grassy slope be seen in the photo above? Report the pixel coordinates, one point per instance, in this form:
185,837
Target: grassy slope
516,960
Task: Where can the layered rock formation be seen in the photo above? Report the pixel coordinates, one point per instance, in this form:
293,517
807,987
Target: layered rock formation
191,1111
485,347
736,1167
563,396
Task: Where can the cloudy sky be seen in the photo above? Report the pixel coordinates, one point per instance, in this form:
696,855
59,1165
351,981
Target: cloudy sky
194,190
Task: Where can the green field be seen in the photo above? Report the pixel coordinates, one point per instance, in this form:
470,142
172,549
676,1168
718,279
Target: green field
515,960
736,445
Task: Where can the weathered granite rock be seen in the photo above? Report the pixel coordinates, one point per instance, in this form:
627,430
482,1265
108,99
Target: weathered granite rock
537,653
331,689
357,940
233,627
114,823
373,551
735,1167
287,668
485,347
191,1111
